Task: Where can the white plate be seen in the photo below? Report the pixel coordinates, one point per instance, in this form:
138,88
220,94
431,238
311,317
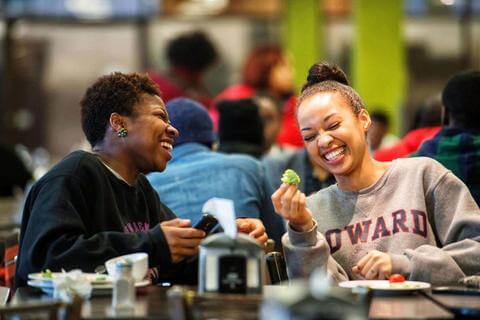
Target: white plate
386,285
93,278
47,286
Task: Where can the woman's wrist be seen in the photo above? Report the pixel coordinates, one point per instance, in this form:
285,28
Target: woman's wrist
302,227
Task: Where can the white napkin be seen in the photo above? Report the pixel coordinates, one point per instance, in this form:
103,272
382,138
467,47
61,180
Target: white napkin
69,284
224,211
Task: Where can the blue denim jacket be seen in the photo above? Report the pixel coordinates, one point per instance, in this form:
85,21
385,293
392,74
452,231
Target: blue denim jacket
196,174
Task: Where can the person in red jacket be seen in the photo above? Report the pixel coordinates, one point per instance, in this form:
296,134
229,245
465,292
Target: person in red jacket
427,124
266,72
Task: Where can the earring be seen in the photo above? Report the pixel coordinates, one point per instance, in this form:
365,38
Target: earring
122,132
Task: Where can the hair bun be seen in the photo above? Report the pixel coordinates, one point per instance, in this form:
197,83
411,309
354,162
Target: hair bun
325,71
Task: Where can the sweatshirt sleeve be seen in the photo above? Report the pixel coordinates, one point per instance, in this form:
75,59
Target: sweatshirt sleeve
55,233
305,251
455,218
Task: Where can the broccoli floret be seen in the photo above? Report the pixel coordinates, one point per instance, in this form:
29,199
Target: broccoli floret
290,177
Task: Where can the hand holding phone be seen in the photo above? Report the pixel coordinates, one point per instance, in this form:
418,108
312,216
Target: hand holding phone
206,223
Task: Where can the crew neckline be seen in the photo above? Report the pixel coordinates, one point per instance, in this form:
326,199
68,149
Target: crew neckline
374,187
115,173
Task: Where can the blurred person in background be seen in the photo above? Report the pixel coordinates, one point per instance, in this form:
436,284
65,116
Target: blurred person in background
272,122
427,123
189,56
241,129
91,207
409,216
378,135
457,144
197,173
14,174
266,72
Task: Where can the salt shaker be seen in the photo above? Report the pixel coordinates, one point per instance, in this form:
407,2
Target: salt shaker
123,297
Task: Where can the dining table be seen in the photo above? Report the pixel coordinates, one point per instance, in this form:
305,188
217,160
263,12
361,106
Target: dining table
155,302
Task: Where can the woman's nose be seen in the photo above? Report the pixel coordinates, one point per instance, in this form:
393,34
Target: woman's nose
324,140
171,130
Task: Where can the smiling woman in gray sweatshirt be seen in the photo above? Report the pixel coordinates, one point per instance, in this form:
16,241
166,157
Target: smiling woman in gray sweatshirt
409,216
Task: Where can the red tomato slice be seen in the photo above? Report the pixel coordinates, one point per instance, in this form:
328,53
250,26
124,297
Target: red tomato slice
396,278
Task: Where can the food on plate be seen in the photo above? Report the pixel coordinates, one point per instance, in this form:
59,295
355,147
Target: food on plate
396,278
101,278
290,177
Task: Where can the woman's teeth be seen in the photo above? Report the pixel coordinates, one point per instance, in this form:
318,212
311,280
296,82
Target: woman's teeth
166,145
335,153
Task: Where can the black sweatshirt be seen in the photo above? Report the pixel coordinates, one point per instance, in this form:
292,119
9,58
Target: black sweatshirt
79,215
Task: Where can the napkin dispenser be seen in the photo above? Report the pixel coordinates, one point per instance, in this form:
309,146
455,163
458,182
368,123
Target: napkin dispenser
230,265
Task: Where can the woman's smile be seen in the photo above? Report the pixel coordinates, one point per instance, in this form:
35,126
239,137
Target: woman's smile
334,156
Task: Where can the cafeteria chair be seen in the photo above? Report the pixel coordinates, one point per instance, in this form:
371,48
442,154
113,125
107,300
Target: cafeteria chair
276,267
51,310
8,252
4,294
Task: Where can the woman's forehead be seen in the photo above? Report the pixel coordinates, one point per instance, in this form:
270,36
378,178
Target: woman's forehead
324,102
150,102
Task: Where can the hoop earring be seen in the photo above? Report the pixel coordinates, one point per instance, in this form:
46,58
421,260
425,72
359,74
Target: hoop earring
122,132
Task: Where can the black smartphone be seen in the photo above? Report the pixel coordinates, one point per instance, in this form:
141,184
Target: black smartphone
207,223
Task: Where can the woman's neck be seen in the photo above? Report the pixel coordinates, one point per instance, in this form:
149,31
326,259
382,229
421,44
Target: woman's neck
119,164
319,172
368,173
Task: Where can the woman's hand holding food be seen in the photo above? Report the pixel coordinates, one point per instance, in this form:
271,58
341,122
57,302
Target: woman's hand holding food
375,265
182,239
290,203
254,228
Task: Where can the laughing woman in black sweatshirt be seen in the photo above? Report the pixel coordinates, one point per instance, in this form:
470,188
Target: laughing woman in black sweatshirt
91,207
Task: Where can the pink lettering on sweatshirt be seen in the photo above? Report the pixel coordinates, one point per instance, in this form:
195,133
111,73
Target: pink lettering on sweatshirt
136,226
378,228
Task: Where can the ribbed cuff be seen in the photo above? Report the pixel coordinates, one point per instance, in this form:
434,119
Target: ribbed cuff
162,257
400,264
303,239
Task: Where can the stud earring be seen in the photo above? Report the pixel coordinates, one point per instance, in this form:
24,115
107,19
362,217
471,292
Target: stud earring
122,132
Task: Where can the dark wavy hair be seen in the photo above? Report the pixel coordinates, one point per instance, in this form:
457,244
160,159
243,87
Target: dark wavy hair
327,77
193,51
116,92
259,64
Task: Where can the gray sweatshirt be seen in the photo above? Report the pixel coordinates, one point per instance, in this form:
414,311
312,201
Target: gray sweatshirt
418,212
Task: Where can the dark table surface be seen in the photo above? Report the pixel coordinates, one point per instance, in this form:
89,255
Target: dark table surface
152,303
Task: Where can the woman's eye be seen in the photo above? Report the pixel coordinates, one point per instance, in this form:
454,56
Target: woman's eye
334,126
308,138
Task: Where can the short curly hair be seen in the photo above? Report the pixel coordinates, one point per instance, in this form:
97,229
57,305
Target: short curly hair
117,92
192,50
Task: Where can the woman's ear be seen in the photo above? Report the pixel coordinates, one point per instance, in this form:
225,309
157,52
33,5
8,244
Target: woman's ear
365,120
116,122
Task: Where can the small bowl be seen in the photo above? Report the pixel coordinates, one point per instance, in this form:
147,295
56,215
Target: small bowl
139,265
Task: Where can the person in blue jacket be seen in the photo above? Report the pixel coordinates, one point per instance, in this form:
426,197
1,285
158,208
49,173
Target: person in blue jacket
201,173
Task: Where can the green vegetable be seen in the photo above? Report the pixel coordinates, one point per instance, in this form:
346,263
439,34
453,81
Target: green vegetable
290,177
101,278
47,273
